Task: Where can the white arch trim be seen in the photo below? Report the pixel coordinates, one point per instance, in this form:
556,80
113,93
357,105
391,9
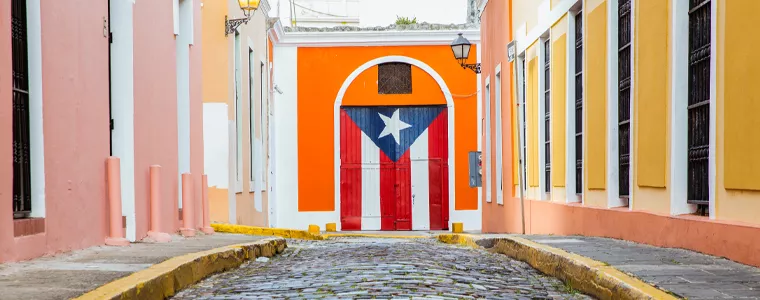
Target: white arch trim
449,104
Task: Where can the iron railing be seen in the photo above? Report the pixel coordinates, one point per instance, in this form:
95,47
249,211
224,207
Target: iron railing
547,115
699,102
524,125
22,195
579,103
624,96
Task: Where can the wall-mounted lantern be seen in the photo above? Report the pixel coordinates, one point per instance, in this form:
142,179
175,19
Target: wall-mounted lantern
248,7
461,48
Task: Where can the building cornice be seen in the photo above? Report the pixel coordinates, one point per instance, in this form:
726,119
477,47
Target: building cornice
276,32
369,38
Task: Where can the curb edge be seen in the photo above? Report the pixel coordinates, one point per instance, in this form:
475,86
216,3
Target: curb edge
585,274
165,279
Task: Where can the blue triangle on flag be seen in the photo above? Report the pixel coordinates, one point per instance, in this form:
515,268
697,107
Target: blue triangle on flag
411,122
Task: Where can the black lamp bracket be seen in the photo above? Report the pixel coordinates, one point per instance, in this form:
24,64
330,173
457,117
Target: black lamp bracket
474,67
232,24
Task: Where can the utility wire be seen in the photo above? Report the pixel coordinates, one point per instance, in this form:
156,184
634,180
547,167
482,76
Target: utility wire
319,12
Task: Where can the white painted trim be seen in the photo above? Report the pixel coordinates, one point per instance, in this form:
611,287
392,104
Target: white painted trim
570,193
260,186
237,57
123,107
525,39
276,32
542,194
487,152
372,38
678,108
36,128
253,143
182,44
499,138
285,103
454,215
175,16
612,188
712,161
521,123
231,198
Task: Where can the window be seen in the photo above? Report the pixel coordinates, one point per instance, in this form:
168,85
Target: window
524,125
579,103
700,36
262,132
251,120
487,151
499,155
394,78
547,117
624,96
238,115
22,190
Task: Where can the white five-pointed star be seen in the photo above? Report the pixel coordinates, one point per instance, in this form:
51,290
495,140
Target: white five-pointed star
393,126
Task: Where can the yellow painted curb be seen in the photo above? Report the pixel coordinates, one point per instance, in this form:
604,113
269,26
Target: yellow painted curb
369,235
585,274
251,230
457,239
163,280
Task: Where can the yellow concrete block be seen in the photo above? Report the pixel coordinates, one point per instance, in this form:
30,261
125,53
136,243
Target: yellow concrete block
314,229
457,227
331,227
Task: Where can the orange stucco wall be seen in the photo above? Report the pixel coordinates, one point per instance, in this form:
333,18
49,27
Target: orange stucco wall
496,20
321,73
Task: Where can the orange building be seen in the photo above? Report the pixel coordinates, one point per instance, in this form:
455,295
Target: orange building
366,124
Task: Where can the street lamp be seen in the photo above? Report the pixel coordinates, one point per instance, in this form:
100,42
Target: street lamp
248,7
461,48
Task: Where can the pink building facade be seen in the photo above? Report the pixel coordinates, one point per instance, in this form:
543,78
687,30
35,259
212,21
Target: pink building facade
83,81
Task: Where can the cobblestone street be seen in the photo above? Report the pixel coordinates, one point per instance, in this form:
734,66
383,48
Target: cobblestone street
381,268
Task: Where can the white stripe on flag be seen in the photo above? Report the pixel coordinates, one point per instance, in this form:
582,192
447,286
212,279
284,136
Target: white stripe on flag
420,183
370,184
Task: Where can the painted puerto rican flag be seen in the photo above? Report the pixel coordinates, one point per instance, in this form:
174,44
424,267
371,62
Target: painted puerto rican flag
394,168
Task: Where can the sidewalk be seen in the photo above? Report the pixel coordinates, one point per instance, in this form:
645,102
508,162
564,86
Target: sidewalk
685,273
71,274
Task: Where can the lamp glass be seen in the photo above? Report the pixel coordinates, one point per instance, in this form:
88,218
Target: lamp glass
249,5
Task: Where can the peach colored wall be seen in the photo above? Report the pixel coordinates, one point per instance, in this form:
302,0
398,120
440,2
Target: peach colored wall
495,34
7,244
155,111
75,89
719,238
196,111
255,31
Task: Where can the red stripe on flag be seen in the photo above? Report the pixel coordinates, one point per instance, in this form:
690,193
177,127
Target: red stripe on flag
387,192
350,174
404,192
438,153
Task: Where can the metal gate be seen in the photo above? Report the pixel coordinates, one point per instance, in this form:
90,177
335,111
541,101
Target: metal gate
579,103
699,102
22,198
624,94
547,117
394,178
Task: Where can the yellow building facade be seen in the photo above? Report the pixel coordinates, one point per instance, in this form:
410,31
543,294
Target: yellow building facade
638,121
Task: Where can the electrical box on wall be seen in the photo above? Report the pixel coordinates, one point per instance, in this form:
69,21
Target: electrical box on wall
476,169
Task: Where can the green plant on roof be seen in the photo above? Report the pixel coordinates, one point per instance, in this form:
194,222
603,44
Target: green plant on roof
405,20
